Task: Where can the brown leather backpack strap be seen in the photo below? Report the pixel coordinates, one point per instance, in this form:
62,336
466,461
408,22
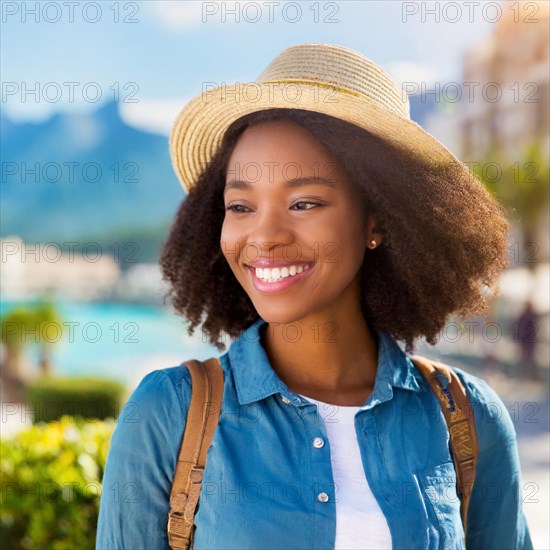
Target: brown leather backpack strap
202,419
460,421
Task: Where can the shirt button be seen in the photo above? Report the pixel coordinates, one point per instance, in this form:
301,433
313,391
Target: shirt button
323,497
285,400
318,442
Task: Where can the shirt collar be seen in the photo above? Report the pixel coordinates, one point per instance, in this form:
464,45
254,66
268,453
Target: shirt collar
255,379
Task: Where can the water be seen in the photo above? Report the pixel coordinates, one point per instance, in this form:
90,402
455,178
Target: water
121,341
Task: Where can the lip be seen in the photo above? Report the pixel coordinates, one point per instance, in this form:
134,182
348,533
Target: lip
283,284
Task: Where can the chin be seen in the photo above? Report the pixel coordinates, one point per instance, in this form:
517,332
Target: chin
278,313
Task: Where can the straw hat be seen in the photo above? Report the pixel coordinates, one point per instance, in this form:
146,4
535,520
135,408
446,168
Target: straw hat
326,78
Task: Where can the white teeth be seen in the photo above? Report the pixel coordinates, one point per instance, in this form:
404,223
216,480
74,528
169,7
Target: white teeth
276,274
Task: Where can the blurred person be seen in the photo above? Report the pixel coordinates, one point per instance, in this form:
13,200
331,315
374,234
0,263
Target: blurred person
321,227
526,330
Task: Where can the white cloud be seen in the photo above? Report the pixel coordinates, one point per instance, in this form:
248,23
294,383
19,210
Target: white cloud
413,75
187,14
152,115
176,14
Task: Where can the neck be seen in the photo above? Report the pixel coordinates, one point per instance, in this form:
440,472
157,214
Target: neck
332,358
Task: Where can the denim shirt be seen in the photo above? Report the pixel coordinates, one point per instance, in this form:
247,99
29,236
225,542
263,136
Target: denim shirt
266,484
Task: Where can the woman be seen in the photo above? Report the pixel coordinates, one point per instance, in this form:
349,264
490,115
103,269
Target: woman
321,226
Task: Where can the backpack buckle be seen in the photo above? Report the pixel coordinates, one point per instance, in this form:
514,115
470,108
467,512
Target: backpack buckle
196,474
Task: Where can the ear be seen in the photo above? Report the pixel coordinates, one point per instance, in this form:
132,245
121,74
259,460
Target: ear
371,233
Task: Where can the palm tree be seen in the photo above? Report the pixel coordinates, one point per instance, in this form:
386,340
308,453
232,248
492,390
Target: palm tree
15,326
523,187
46,318
22,326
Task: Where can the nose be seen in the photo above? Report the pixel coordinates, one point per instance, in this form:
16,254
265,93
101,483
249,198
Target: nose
270,229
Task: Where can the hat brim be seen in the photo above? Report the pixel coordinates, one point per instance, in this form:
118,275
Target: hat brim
201,124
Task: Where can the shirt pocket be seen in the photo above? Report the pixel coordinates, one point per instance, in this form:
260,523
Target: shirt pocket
439,486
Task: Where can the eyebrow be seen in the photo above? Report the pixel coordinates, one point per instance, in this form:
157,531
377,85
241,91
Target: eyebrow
292,183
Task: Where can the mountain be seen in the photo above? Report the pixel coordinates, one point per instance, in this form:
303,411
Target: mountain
422,105
84,174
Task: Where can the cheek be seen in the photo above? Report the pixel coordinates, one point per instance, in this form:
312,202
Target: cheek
229,242
341,245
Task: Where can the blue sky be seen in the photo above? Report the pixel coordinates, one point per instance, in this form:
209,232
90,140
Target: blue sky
174,46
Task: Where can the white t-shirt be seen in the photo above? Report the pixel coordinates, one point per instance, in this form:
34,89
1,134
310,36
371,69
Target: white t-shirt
360,522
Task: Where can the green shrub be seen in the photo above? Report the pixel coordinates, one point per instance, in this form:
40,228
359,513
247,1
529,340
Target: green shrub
92,398
51,484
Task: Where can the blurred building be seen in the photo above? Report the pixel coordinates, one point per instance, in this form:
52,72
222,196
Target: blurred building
31,269
509,95
141,283
505,106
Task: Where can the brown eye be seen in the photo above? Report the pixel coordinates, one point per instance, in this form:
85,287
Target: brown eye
232,207
306,202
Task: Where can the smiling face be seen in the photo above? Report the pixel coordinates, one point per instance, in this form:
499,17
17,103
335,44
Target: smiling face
290,205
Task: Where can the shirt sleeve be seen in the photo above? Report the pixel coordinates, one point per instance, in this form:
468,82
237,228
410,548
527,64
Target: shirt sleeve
141,461
496,519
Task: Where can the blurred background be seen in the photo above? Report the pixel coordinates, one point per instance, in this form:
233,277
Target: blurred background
89,92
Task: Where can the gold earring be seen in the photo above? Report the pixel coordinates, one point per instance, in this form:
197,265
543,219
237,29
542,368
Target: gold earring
373,244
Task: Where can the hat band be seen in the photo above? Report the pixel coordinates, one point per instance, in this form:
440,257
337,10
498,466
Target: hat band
332,87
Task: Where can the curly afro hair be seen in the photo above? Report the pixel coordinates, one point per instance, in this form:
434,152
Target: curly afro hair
444,238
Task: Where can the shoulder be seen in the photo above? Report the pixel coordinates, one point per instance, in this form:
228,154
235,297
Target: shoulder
165,390
495,515
492,418
152,421
160,389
